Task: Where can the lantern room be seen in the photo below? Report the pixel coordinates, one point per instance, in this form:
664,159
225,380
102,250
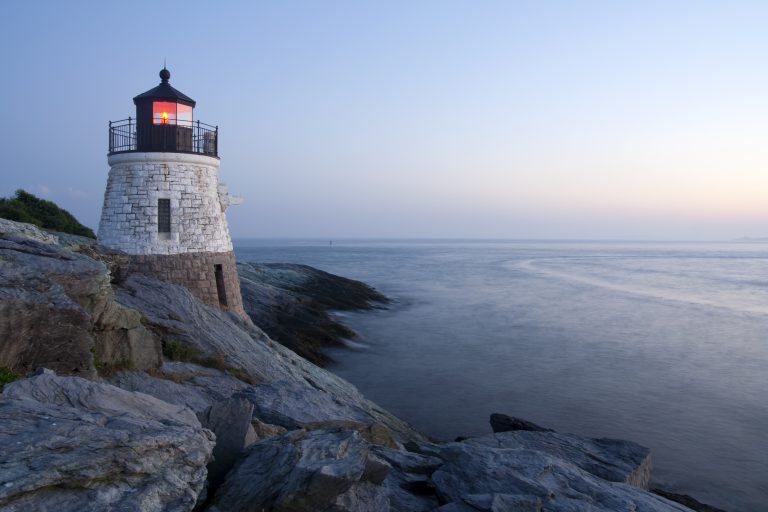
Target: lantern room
164,122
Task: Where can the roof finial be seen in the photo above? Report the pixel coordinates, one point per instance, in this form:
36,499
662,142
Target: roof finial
164,73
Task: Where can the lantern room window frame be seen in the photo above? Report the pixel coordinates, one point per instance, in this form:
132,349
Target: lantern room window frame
171,112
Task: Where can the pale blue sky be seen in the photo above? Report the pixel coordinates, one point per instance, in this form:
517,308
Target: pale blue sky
590,119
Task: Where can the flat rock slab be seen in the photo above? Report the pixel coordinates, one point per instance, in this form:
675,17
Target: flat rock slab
614,460
476,477
72,445
291,405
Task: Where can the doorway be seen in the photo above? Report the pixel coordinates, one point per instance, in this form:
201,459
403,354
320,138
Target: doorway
220,288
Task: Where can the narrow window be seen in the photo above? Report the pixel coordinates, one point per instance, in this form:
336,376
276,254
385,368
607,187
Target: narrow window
220,285
164,215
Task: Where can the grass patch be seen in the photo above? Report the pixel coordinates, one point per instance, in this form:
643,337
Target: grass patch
177,351
218,362
178,378
105,369
243,375
7,376
182,352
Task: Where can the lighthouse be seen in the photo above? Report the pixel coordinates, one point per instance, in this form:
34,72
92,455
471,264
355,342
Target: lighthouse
164,205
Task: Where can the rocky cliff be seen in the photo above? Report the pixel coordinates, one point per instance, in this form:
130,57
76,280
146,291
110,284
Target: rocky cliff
161,403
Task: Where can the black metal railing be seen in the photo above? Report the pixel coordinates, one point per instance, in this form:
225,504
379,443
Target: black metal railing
180,137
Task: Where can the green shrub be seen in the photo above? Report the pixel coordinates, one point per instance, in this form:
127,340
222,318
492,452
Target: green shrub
26,207
7,376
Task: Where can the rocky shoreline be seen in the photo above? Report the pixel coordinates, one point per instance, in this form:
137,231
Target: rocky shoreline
154,401
290,302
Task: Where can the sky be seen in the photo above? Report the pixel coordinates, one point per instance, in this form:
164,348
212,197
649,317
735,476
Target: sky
459,119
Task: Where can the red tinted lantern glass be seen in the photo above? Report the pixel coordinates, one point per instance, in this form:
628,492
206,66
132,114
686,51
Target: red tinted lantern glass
184,114
163,112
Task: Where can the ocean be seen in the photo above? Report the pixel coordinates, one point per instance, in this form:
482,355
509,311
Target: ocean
665,344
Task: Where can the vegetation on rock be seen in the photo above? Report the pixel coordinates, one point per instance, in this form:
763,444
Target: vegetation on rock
26,207
7,376
185,353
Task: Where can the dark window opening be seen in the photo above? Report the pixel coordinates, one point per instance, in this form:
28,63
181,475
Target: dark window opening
164,215
222,291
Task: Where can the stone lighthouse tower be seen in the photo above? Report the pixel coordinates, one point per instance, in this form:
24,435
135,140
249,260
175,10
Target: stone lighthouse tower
164,204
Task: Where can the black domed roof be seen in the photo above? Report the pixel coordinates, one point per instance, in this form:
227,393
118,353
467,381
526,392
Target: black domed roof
164,91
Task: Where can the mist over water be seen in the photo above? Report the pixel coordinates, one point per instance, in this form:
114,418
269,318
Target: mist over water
665,344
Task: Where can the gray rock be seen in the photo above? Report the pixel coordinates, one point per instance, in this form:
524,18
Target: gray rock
72,445
293,405
230,420
24,230
311,393
408,483
614,460
688,501
374,433
265,430
479,477
504,423
57,310
423,448
185,384
494,503
306,471
290,302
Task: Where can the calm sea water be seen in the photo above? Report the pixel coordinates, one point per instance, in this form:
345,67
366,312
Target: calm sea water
665,344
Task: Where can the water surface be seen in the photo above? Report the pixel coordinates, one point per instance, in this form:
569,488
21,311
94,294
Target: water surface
665,344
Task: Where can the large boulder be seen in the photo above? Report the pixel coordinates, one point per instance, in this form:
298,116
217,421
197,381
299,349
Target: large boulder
614,460
476,477
409,484
304,472
230,420
337,469
71,445
57,310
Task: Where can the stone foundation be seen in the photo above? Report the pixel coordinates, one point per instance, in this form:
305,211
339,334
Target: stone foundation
196,271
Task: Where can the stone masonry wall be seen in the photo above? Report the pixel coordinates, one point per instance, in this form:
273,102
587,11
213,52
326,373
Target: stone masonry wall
129,216
195,271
